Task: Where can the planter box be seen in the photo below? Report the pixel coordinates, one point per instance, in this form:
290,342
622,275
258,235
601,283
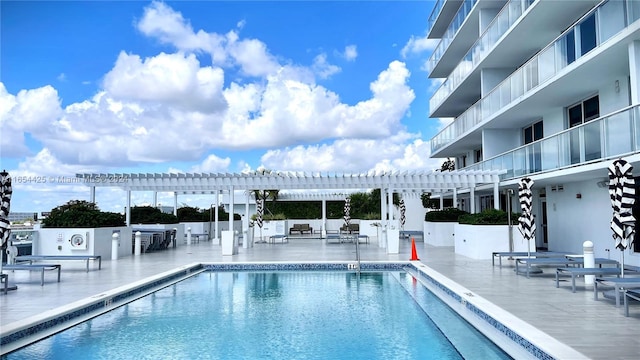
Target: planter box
479,241
393,237
439,233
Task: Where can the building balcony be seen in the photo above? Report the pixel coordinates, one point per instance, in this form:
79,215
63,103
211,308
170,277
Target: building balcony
608,137
518,31
555,68
463,28
441,16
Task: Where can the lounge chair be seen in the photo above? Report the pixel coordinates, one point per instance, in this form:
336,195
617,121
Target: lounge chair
630,295
618,284
557,262
579,271
34,267
32,258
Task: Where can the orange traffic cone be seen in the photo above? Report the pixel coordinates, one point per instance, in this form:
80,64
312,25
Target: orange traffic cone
414,253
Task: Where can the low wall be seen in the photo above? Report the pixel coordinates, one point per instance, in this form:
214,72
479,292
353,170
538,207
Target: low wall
479,241
439,233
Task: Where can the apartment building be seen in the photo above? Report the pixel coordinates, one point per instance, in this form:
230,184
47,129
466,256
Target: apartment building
548,89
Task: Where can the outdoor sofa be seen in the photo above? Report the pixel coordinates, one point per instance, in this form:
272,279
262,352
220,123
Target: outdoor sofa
301,228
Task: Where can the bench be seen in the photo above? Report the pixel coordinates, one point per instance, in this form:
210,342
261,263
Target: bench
301,228
32,258
34,267
351,229
274,238
409,234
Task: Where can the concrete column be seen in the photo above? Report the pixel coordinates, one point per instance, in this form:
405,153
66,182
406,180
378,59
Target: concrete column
128,213
455,198
155,199
442,201
175,203
216,223
634,72
383,213
245,223
496,196
92,194
472,199
324,218
231,206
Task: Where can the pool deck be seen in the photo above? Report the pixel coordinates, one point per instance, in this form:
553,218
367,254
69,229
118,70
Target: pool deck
596,329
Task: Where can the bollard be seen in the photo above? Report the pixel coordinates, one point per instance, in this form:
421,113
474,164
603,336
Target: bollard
114,246
589,261
188,236
138,243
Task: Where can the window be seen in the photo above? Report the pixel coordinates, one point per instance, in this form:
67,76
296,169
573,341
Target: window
584,111
588,34
532,133
478,155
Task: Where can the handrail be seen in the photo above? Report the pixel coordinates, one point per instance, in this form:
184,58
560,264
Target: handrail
563,148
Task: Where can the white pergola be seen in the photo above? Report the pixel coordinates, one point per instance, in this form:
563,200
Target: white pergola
415,182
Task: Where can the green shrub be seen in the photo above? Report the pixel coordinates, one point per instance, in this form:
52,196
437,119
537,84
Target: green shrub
278,216
372,216
489,217
446,215
81,214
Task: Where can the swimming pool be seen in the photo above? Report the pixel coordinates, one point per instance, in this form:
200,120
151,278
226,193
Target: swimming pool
302,315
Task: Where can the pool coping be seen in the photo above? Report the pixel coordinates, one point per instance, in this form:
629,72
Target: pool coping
519,339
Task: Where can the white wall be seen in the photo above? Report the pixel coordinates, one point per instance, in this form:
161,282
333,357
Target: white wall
572,221
56,241
497,141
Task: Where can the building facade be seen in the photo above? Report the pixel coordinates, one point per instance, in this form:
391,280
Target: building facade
546,89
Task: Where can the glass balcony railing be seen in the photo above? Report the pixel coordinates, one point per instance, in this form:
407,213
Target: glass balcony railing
608,137
590,32
452,30
434,14
509,14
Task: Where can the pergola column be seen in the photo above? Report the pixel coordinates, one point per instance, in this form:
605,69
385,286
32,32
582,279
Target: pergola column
245,223
383,215
231,204
455,198
175,203
472,199
128,212
92,194
496,195
442,201
216,222
324,218
155,199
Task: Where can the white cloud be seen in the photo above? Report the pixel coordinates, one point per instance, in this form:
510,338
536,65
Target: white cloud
402,151
323,68
62,77
351,52
417,45
212,164
173,79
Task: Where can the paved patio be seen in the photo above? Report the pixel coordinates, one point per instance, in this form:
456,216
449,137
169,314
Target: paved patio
597,329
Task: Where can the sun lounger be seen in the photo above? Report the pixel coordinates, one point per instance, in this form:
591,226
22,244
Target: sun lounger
557,262
34,267
619,285
273,238
580,271
32,258
517,254
630,295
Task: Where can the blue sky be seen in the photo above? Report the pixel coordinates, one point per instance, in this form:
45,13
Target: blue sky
209,86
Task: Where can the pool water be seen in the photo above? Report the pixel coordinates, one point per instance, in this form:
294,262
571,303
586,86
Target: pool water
275,315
